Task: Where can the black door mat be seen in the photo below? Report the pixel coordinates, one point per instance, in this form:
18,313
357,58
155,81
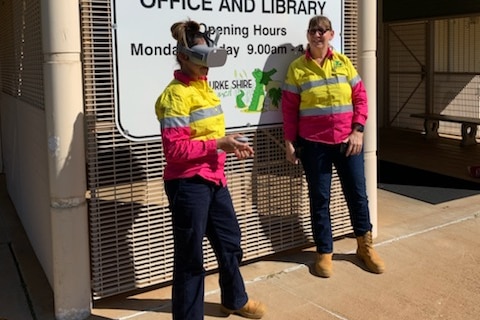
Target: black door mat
423,185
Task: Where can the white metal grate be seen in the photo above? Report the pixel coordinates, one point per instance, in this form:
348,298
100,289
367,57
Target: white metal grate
130,227
21,51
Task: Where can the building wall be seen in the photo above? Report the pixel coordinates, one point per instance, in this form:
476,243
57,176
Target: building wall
23,127
26,170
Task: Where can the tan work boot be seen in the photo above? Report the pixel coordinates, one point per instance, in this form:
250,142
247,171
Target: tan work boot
368,255
323,264
251,310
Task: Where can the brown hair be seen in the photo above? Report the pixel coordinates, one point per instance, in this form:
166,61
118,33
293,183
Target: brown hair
186,32
320,21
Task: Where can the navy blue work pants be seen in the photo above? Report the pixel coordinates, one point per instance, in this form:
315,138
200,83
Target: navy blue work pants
202,208
317,159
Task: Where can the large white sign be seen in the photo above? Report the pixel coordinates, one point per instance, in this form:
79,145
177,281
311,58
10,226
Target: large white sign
262,37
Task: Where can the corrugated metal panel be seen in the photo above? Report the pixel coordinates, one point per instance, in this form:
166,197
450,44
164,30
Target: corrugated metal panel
457,66
130,227
456,83
458,44
406,61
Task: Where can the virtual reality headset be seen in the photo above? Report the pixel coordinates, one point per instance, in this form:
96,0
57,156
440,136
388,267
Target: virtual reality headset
208,55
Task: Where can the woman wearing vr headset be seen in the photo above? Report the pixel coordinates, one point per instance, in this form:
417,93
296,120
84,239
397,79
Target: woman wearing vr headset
324,106
195,146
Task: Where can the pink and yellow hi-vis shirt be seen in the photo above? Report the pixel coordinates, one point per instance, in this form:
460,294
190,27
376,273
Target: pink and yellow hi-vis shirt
191,119
321,103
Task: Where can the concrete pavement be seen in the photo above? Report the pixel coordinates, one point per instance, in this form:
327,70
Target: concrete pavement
25,293
432,253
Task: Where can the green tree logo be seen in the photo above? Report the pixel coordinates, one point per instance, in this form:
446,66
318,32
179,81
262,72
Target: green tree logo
262,79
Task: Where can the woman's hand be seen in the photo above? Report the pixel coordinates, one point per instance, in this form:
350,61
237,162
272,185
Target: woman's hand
290,152
229,144
355,143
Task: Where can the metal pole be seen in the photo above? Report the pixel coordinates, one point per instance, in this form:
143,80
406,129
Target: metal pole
367,44
66,163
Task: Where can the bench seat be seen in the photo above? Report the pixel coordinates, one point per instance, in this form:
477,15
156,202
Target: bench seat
431,124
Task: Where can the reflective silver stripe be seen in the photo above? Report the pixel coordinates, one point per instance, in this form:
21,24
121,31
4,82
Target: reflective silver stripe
291,88
324,82
205,113
325,110
178,122
355,80
174,122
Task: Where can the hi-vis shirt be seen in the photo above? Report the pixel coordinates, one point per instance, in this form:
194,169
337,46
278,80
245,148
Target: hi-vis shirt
321,103
191,118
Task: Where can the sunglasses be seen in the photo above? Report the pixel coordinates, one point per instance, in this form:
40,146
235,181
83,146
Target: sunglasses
314,31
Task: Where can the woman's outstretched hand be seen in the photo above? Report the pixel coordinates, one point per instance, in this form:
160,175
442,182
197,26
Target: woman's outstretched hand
233,144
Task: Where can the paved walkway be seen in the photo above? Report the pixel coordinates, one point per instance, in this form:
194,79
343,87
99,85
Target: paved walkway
431,251
25,293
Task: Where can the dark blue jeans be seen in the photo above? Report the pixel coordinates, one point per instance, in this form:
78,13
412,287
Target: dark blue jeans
202,208
317,160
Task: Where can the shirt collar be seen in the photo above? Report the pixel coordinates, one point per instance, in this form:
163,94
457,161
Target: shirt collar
185,78
329,54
